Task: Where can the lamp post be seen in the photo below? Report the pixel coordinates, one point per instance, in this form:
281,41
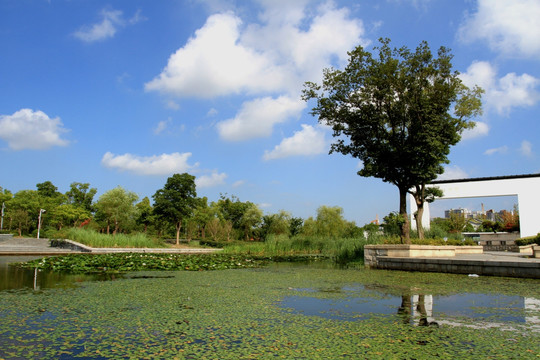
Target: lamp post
2,220
41,211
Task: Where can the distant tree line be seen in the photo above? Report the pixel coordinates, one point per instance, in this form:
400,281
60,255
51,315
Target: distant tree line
175,212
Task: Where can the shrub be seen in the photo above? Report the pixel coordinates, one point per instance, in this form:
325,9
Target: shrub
528,240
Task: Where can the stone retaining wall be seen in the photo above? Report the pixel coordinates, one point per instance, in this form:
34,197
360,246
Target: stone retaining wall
373,252
455,266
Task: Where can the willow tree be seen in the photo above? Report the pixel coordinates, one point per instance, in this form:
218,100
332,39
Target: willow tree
399,112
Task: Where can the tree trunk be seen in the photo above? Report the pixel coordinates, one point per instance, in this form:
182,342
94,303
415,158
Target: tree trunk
419,225
419,197
405,226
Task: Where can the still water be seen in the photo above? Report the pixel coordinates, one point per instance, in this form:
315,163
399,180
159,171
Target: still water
12,277
352,303
359,302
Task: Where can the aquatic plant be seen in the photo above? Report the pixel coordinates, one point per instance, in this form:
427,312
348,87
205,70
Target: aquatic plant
238,314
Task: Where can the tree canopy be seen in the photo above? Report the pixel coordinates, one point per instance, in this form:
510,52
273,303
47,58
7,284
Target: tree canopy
176,201
399,112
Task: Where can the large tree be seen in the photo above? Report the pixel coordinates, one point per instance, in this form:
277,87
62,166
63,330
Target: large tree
176,201
80,194
398,112
117,207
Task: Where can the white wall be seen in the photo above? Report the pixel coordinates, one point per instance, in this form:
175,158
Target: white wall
527,190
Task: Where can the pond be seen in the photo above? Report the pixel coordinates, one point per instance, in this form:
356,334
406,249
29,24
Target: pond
12,277
292,311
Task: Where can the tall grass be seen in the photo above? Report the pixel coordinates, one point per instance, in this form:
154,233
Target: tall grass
341,250
95,239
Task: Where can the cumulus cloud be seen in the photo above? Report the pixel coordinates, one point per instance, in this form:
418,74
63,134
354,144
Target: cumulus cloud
111,21
211,180
499,150
509,27
480,129
502,94
164,164
306,142
452,173
214,63
268,60
526,148
257,118
28,129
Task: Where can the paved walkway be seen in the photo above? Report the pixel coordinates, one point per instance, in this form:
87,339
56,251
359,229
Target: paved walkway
30,246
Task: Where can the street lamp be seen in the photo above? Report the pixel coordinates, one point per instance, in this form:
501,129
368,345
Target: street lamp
41,211
2,221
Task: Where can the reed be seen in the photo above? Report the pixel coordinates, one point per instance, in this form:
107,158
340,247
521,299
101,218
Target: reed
97,240
341,250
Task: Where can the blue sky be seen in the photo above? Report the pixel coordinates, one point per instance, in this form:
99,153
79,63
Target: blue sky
129,92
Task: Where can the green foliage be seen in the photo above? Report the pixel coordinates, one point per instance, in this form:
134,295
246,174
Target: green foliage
528,240
392,111
176,201
278,224
97,240
392,224
117,208
341,250
123,262
81,195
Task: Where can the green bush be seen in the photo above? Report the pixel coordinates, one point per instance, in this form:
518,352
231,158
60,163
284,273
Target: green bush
528,240
218,243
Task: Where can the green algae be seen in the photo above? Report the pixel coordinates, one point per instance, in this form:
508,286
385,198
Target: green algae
235,314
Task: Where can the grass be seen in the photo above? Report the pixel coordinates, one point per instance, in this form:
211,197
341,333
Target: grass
341,250
97,240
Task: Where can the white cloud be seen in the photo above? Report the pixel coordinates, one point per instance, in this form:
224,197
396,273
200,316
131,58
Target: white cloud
162,126
269,59
480,129
500,150
28,129
164,164
256,118
212,112
452,173
502,94
214,63
173,105
213,179
238,183
224,57
306,142
526,148
510,27
301,42
111,21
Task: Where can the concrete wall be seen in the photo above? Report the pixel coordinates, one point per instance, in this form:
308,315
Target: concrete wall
525,188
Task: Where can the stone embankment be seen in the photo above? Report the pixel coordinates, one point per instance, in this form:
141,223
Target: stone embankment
28,246
453,259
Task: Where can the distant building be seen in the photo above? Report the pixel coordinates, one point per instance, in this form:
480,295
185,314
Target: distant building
466,213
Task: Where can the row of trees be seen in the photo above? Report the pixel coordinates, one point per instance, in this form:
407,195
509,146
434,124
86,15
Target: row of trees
176,210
